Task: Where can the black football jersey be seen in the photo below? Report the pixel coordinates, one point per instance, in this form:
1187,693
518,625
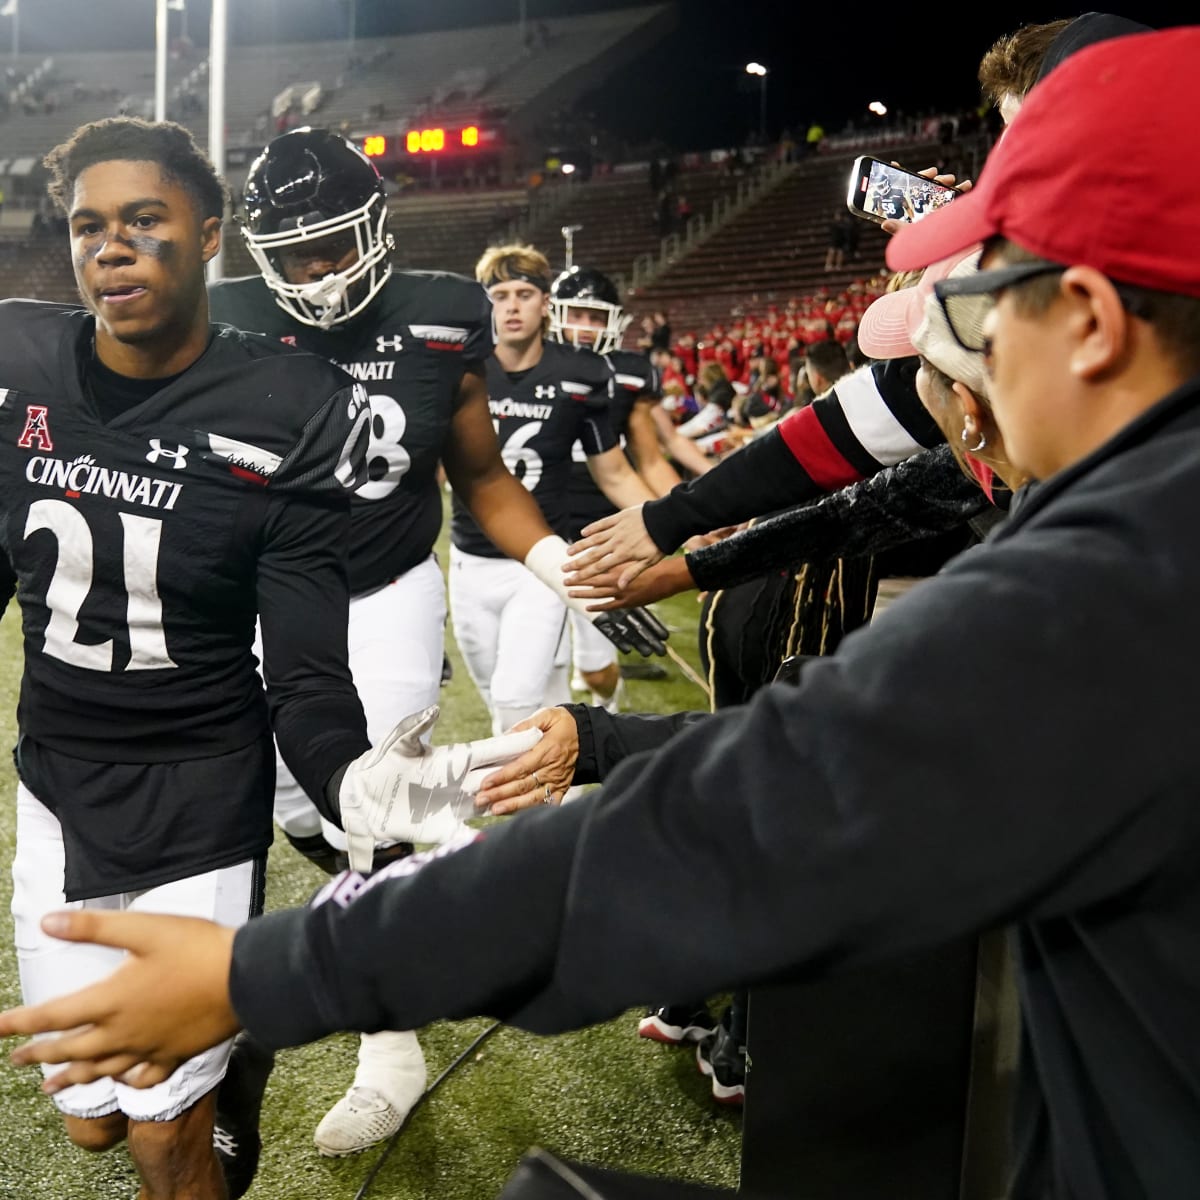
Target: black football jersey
539,415
409,349
142,550
634,376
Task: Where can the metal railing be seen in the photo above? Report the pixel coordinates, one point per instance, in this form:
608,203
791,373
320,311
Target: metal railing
648,267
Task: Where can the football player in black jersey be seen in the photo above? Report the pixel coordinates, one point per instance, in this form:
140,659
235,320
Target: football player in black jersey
162,482
586,310
544,397
316,226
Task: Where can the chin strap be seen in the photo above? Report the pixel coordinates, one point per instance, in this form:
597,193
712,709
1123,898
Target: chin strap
328,295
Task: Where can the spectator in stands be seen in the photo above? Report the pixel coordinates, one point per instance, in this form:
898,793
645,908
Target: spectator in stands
839,234
763,401
824,364
715,395
855,354
664,215
660,339
802,391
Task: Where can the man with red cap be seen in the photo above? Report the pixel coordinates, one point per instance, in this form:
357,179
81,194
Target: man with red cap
1012,743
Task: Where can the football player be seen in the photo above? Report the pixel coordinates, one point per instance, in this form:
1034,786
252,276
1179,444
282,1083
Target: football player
544,397
586,310
163,480
315,223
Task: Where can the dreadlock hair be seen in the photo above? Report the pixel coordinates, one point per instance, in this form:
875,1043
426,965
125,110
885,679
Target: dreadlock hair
170,146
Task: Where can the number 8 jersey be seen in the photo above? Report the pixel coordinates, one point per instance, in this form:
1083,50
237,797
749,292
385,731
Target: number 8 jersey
410,348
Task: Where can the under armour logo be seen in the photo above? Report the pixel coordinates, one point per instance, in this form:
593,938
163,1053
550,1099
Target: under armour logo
178,455
393,344
544,391
37,429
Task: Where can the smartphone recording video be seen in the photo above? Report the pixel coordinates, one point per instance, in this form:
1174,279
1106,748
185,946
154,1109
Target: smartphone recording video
880,192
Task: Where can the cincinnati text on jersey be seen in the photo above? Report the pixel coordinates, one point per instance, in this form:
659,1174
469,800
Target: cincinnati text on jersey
369,371
520,408
82,477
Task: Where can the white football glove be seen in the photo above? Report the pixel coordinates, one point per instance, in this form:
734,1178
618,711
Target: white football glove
405,791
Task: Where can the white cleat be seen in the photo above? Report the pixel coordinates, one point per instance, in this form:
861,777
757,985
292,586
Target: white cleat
389,1081
359,1119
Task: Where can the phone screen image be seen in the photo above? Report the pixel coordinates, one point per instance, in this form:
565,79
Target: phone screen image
892,194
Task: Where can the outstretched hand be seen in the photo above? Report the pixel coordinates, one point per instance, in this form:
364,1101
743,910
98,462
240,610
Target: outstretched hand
540,775
404,790
892,226
666,578
617,543
165,1003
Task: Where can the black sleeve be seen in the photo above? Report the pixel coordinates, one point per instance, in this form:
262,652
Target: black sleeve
596,431
303,599
871,419
302,973
921,497
606,739
758,479
827,825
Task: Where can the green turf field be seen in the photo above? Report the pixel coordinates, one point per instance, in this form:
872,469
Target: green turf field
601,1095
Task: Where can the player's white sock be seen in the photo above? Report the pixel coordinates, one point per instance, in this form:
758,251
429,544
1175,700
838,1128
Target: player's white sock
393,1064
389,1080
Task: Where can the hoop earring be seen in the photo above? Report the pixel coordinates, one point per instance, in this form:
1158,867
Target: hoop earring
974,449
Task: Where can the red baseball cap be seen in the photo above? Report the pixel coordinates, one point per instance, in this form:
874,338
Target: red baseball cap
1099,168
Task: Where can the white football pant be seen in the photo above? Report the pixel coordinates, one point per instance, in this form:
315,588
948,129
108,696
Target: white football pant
395,638
50,968
509,626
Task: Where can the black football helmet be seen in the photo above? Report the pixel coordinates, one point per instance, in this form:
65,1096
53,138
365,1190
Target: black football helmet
585,287
309,184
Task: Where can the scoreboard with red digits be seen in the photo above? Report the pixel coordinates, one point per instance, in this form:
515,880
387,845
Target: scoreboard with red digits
455,140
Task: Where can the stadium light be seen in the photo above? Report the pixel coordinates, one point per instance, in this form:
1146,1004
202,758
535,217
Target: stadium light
218,49
12,8
160,53
756,68
878,108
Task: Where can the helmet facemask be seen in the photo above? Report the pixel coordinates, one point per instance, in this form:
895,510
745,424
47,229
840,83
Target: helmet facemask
341,295
607,339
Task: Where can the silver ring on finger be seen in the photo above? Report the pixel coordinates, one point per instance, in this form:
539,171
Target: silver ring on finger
536,781
548,798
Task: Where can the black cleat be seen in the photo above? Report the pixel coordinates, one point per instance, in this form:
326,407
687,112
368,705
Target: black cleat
447,669
317,850
675,1024
236,1139
721,1058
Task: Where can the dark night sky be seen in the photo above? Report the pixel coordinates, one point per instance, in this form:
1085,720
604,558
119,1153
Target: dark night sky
827,61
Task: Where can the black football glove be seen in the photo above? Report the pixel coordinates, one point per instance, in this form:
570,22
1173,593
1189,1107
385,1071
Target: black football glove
633,629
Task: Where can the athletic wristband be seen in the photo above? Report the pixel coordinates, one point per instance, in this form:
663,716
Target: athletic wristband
545,559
